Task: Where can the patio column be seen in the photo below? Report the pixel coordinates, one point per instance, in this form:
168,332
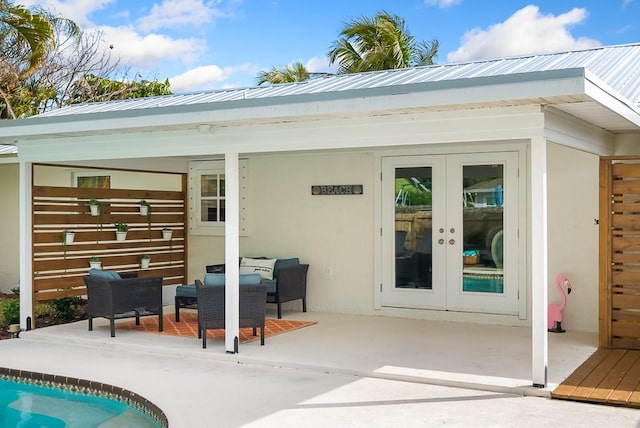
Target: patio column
539,269
26,249
232,251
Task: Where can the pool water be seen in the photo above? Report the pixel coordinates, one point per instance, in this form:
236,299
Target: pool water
483,283
26,405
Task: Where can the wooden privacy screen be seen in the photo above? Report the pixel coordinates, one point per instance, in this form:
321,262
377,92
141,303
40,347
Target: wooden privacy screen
619,254
58,269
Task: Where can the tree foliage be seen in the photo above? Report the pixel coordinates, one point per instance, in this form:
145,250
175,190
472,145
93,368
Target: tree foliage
94,88
379,43
365,44
72,67
295,72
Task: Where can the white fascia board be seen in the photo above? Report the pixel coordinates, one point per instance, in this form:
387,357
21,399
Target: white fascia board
601,93
459,93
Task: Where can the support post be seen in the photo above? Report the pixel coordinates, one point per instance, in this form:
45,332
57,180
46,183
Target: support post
26,248
232,251
539,266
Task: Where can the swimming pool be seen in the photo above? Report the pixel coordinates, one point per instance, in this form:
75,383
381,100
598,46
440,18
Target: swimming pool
29,399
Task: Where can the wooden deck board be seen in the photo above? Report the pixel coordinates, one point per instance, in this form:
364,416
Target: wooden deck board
609,376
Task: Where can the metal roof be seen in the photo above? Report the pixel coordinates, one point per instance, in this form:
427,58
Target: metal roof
618,67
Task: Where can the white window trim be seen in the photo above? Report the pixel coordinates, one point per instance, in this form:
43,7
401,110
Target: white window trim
196,170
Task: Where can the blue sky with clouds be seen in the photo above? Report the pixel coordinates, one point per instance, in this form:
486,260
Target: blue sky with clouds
216,44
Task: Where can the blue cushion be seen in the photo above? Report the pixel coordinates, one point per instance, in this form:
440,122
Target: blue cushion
186,290
217,279
271,285
281,263
104,274
213,279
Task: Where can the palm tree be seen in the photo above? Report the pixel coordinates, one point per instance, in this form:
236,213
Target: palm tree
295,72
379,43
36,29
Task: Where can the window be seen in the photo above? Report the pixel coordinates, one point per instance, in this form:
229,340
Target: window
91,179
208,198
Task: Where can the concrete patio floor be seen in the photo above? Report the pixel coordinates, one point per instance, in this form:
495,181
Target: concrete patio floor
346,370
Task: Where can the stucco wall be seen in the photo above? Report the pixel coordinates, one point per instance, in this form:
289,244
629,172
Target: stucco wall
9,238
287,221
63,176
573,236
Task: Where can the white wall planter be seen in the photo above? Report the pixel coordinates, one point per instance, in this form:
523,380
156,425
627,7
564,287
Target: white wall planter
68,237
144,209
95,209
166,234
95,265
121,236
144,262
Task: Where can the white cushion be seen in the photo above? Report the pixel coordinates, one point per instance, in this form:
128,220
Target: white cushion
262,266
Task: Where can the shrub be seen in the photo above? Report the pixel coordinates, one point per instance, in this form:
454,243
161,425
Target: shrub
67,307
44,309
10,309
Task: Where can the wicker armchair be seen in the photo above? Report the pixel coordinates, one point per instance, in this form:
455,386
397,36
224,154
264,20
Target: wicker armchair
123,298
211,308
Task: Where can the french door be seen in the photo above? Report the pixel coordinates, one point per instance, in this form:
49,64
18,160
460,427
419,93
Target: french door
450,232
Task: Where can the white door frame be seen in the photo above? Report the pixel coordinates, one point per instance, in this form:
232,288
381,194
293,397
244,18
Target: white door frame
523,276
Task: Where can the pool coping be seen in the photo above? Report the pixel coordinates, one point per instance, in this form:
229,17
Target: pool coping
84,386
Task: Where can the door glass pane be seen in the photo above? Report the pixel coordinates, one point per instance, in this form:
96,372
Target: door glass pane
483,223
413,226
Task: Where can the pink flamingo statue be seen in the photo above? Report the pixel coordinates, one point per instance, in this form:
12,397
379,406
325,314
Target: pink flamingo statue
554,322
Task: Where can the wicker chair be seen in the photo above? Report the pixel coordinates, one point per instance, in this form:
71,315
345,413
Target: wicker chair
123,298
211,308
289,282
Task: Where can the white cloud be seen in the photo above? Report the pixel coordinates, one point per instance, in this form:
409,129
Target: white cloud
200,78
150,50
525,32
178,13
76,10
442,4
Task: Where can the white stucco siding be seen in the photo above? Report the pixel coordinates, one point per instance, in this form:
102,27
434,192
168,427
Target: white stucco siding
333,234
9,238
573,235
63,176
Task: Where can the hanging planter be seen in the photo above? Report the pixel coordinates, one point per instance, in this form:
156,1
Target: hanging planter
145,259
68,236
121,231
167,233
95,263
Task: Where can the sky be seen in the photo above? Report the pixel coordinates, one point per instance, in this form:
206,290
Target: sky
202,45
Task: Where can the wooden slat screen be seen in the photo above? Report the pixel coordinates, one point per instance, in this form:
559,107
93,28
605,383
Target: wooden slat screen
621,304
58,269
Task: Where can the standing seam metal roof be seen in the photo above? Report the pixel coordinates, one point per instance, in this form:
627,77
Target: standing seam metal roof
617,66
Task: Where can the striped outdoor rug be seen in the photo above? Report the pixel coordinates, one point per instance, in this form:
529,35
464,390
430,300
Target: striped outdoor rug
188,327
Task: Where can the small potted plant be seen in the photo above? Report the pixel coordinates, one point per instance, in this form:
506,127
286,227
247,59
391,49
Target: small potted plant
144,207
145,259
167,233
95,262
94,206
67,236
121,231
